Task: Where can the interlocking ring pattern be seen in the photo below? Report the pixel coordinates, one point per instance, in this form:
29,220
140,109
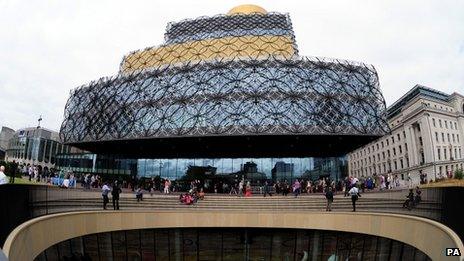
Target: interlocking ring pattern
228,25
299,96
250,47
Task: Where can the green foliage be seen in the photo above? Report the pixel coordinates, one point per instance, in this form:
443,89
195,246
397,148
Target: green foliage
459,174
9,168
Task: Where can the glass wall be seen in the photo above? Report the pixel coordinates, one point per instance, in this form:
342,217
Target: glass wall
277,169
254,169
39,150
231,244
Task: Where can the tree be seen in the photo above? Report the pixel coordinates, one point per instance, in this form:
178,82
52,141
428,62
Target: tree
10,169
458,174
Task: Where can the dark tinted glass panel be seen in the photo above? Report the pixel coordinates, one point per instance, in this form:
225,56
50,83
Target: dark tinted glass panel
396,249
119,245
104,245
408,253
329,245
259,244
370,248
77,247
133,245
189,244
52,253
283,245
91,247
162,244
210,245
302,244
420,256
148,244
175,244
231,244
315,245
41,257
383,250
64,249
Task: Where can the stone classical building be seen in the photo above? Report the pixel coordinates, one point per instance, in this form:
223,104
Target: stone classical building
427,135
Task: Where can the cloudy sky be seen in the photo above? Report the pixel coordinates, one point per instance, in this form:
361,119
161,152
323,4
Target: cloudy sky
48,48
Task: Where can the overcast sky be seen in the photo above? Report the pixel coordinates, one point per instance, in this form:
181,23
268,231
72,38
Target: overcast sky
48,48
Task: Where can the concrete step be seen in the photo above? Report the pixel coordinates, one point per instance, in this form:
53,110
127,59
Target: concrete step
237,206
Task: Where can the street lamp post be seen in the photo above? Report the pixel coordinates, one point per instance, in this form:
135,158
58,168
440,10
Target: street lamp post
34,145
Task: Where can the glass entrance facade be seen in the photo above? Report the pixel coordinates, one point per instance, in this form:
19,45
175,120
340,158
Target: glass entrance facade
276,169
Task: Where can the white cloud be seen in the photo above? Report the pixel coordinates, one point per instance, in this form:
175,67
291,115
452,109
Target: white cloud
48,48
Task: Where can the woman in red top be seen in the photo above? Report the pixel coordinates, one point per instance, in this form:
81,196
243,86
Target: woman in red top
248,191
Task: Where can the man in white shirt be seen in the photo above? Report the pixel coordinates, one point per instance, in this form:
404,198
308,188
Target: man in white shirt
3,177
105,190
354,193
65,183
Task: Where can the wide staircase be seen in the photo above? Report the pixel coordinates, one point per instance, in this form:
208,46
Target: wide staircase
372,202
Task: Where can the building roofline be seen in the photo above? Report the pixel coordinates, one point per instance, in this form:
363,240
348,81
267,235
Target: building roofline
31,128
5,127
394,109
456,94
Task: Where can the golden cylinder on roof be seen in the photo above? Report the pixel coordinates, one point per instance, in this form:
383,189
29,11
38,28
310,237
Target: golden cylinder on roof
247,9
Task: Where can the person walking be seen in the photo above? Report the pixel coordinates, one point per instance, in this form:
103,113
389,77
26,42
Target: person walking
30,172
285,188
105,190
308,187
240,188
139,194
233,189
296,188
14,169
3,177
115,195
347,186
418,197
267,189
167,184
330,198
248,190
354,193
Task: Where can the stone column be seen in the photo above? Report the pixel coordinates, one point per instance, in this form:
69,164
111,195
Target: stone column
414,149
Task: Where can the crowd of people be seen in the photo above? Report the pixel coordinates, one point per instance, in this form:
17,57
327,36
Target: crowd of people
350,186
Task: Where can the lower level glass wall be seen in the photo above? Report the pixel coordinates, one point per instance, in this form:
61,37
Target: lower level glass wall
231,244
276,169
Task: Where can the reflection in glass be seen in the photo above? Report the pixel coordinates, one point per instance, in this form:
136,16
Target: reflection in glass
105,246
90,247
119,245
233,244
